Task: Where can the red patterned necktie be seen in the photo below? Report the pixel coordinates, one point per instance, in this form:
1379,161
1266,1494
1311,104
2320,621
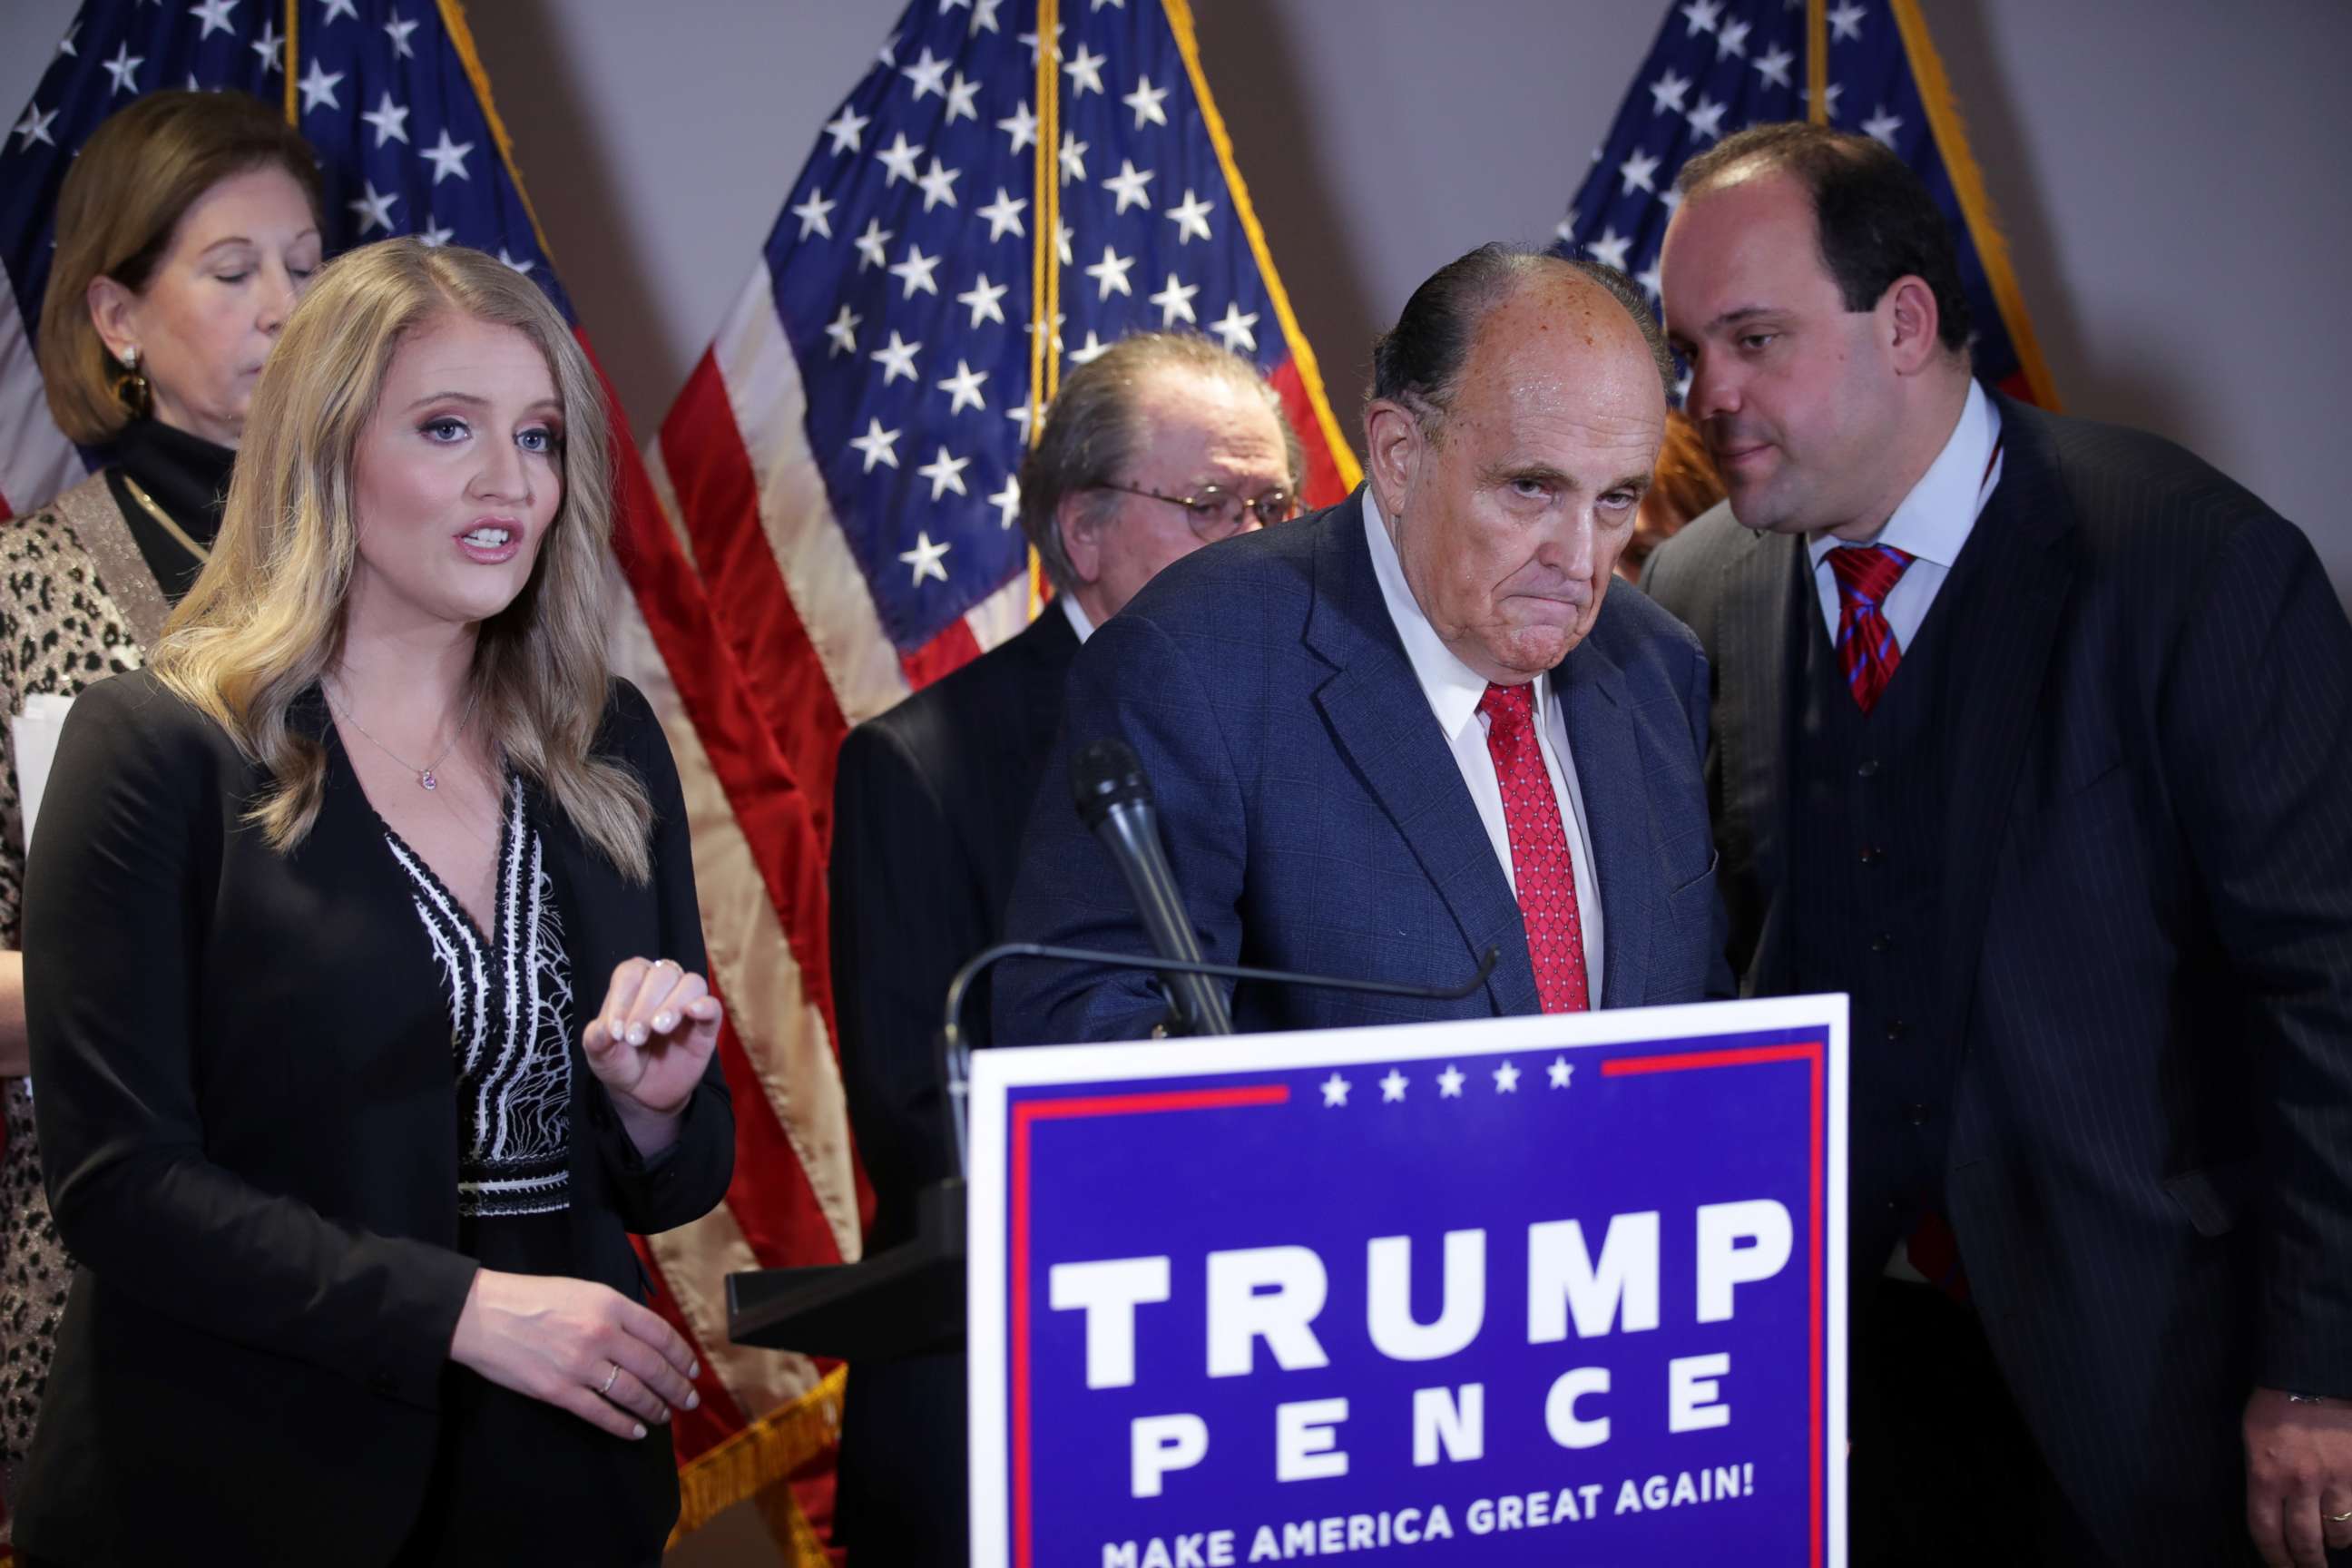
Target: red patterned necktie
1540,862
1866,649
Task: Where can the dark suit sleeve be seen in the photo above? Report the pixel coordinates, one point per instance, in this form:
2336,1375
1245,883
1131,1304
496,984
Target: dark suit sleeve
114,901
689,1178
907,913
1722,985
2256,726
1132,680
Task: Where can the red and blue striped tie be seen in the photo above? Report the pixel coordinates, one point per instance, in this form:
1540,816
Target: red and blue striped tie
1866,649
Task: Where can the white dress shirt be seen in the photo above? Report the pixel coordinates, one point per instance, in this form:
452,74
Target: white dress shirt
1934,521
1453,691
1078,622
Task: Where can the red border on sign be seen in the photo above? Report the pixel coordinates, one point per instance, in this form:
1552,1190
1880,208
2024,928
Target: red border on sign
1748,1056
1025,1113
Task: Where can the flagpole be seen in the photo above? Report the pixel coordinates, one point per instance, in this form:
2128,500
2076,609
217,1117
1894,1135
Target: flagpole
1045,272
1975,201
1817,61
293,20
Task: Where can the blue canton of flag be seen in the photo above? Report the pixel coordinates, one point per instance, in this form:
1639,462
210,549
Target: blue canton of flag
901,272
1719,66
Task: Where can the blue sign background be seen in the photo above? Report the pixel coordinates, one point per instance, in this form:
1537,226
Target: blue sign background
1124,1168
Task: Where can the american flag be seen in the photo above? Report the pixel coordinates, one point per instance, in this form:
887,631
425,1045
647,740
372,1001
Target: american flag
394,98
1719,66
843,458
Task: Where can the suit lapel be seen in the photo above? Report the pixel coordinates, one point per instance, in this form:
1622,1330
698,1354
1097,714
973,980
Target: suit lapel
1765,606
1608,762
2019,560
1374,707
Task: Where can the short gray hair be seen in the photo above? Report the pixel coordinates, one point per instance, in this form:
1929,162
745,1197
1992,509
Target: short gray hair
1096,424
1417,364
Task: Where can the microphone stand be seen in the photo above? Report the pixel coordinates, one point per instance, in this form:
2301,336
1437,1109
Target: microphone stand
909,1300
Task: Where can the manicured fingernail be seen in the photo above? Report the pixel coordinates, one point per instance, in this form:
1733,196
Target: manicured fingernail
664,1022
694,1370
693,1400
636,1034
638,1430
617,1029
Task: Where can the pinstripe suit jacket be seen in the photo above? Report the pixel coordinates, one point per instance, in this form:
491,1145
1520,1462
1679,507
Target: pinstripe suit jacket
1314,816
2148,898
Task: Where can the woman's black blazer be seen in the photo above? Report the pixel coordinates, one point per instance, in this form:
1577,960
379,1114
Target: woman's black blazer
244,1084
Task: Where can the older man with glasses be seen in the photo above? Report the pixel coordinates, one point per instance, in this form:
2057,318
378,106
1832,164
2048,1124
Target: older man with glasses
1163,444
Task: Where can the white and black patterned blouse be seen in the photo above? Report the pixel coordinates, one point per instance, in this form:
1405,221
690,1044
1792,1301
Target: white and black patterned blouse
509,997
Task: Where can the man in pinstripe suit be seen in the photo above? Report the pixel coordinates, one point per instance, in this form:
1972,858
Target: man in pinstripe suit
2034,737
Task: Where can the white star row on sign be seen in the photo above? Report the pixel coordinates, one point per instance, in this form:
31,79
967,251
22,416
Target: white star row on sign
1506,1076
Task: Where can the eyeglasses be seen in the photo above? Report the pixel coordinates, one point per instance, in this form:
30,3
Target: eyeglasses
1215,513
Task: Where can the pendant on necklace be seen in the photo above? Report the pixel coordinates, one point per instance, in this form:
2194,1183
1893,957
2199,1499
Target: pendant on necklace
424,777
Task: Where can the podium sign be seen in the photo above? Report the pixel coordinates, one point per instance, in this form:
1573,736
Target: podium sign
1562,1289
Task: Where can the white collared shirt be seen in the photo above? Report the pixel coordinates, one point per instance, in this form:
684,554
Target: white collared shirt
1934,521
1453,691
1078,622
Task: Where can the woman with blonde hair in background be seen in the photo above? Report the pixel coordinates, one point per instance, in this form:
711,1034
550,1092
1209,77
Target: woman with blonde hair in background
365,1000
186,228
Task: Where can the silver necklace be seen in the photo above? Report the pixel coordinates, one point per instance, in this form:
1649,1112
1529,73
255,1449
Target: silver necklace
425,778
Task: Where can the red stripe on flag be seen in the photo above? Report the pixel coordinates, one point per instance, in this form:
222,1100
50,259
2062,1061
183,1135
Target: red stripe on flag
943,655
771,1199
719,503
1324,485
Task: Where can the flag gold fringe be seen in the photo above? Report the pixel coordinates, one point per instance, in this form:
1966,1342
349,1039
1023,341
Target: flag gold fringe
1310,376
761,1457
1976,204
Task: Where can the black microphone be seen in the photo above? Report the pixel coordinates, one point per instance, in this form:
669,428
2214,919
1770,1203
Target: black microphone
1114,800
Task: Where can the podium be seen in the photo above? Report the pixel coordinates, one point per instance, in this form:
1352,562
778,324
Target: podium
906,1301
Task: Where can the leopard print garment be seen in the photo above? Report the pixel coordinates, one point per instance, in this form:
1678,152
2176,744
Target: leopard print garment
77,605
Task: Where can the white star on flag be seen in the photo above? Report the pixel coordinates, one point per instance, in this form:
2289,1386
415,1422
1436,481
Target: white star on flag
1128,186
945,473
1702,15
1506,1080
269,48
214,15
1235,326
1666,93
983,298
1007,500
399,31
939,185
35,127
1005,213
1845,22
1021,125
929,76
1393,1087
962,99
1732,40
899,159
434,236
1882,126
1191,217
1073,157
846,129
925,557
869,245
983,16
1559,1070
523,267
1610,249
1773,65
877,445
1110,273
1085,71
448,157
1175,300
812,214
317,87
916,270
1652,283
963,391
1145,100
843,333
1335,1091
1639,171
373,210
390,120
121,66
340,8
1449,1083
897,358
1706,119
1093,349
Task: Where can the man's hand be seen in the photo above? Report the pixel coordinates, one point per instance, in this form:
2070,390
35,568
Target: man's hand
2298,1478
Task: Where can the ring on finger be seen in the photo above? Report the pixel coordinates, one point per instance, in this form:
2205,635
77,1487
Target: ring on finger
2345,1518
610,1378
